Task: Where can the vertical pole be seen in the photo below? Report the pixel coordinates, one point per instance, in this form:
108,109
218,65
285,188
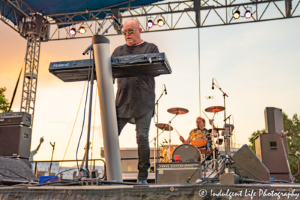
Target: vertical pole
107,107
90,118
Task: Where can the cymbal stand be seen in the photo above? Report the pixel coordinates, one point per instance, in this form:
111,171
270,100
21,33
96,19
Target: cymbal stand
169,157
154,142
224,95
227,138
156,104
213,139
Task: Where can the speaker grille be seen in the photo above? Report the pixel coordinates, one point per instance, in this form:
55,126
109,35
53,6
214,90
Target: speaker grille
177,172
15,171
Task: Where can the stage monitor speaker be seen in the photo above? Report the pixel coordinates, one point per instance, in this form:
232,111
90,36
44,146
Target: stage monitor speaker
273,120
269,149
15,141
14,171
250,163
177,172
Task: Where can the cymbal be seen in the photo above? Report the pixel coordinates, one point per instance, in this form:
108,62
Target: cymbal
214,109
179,111
163,126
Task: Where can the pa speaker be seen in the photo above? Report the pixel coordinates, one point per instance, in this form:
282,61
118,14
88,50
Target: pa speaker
270,150
15,141
14,171
273,120
178,172
248,165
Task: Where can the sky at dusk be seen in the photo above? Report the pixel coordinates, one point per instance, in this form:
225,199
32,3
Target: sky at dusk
256,64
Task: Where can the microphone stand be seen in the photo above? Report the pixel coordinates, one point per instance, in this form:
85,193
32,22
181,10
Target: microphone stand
224,95
156,105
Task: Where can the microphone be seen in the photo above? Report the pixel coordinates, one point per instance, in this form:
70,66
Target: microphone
165,90
213,84
117,21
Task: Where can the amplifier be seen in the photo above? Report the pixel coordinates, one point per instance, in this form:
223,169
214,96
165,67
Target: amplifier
15,141
177,172
15,118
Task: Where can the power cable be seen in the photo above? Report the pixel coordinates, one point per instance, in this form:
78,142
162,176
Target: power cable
87,92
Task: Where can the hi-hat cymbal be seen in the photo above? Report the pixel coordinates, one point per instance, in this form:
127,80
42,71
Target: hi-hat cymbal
215,109
179,111
163,126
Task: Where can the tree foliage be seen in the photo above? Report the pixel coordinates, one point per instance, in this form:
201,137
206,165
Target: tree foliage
293,139
4,105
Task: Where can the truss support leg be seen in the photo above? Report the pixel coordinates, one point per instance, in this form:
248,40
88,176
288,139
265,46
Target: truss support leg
197,6
288,8
30,75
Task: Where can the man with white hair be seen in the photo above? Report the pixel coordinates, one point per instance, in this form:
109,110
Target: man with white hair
135,100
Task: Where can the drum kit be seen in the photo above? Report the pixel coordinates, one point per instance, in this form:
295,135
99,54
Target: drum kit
196,150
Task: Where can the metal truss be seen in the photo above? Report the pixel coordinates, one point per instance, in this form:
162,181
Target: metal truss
176,14
31,75
13,11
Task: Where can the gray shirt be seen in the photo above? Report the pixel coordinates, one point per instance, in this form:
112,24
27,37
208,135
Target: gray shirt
135,95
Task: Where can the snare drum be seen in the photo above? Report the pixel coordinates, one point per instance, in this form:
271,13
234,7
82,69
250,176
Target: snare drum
187,153
198,138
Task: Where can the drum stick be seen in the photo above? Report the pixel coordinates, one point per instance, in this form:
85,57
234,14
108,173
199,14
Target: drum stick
205,114
176,131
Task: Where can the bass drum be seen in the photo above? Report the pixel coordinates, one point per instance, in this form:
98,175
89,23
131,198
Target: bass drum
187,153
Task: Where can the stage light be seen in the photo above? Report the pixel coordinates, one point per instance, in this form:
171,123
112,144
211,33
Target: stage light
236,14
248,14
72,31
81,30
150,23
160,22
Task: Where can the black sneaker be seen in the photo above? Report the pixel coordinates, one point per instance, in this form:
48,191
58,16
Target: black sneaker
142,181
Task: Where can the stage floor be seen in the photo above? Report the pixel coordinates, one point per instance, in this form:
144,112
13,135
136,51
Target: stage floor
154,191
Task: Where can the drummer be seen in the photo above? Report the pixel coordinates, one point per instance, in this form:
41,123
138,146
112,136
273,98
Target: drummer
200,126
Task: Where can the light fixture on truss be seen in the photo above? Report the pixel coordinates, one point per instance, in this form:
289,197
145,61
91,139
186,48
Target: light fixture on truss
72,31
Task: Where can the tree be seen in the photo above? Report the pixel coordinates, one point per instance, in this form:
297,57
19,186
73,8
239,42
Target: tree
253,136
4,105
293,139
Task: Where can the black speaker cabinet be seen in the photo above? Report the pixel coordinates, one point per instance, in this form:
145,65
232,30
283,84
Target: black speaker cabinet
248,160
15,118
15,141
269,149
273,120
177,172
13,171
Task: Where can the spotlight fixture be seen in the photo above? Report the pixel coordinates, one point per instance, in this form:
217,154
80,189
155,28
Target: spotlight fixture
236,14
81,30
150,23
72,31
160,22
248,14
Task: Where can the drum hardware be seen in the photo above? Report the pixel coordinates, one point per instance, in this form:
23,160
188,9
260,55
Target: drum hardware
176,111
156,113
154,142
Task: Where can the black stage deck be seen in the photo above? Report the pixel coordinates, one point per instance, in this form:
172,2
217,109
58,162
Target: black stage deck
153,191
